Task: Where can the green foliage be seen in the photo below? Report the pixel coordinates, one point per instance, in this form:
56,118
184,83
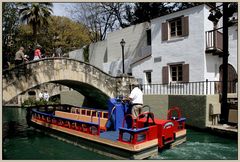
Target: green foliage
35,14
60,31
67,33
10,23
34,102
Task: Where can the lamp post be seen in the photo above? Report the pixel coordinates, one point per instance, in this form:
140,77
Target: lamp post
224,105
123,44
228,11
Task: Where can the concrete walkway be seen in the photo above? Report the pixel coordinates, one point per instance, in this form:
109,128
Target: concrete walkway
224,130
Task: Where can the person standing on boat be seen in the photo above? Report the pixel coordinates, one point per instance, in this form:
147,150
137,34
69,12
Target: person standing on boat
136,99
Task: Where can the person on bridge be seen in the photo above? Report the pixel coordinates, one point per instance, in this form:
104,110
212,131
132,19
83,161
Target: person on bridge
19,56
45,95
58,52
136,99
30,52
37,53
40,95
6,60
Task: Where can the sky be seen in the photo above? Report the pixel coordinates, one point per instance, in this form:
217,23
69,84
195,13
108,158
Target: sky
59,9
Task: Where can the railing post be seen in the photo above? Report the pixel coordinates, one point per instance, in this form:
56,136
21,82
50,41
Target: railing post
206,86
170,87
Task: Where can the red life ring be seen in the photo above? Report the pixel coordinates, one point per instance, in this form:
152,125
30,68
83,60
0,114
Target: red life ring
171,110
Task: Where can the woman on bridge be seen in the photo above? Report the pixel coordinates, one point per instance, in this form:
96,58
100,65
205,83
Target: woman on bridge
37,53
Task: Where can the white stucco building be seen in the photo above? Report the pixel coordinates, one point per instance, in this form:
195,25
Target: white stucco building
178,47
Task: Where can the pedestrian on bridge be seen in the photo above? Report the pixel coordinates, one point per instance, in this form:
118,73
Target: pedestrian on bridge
40,95
19,56
45,95
37,53
58,52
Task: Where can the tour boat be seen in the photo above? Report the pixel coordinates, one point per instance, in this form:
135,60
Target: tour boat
111,132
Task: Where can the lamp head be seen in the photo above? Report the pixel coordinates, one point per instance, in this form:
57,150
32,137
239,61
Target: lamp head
122,42
212,17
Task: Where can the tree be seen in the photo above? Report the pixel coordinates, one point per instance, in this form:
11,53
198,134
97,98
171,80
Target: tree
10,22
145,11
35,14
67,33
60,31
100,18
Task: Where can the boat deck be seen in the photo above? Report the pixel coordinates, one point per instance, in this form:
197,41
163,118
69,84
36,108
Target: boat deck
114,135
111,135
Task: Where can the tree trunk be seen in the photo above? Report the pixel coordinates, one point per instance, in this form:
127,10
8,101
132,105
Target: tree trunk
35,34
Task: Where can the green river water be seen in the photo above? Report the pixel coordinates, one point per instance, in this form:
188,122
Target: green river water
23,143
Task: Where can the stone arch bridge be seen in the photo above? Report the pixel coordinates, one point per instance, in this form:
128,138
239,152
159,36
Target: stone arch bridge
87,79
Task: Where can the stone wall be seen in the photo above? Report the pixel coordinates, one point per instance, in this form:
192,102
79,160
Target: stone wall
158,104
82,77
194,107
72,98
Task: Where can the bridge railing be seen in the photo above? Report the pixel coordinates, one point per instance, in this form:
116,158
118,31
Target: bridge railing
188,88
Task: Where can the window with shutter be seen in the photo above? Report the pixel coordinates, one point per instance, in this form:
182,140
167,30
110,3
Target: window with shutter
179,73
176,73
178,27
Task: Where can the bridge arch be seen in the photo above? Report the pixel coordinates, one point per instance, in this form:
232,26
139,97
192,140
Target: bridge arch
80,76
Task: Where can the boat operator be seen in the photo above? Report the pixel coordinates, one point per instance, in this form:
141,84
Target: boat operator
136,100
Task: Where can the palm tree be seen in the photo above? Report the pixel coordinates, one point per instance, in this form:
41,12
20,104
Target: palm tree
35,14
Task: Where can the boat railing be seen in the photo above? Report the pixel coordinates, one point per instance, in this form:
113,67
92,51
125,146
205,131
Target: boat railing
138,131
78,125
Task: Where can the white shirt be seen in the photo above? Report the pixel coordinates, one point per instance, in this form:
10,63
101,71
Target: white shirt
40,95
136,96
46,96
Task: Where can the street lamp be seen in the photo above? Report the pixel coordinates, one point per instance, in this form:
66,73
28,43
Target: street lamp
227,12
123,44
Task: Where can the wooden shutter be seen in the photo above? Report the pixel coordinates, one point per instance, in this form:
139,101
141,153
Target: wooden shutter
185,72
165,31
185,26
165,75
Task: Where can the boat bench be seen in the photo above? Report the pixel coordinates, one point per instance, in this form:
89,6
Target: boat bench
67,119
85,118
